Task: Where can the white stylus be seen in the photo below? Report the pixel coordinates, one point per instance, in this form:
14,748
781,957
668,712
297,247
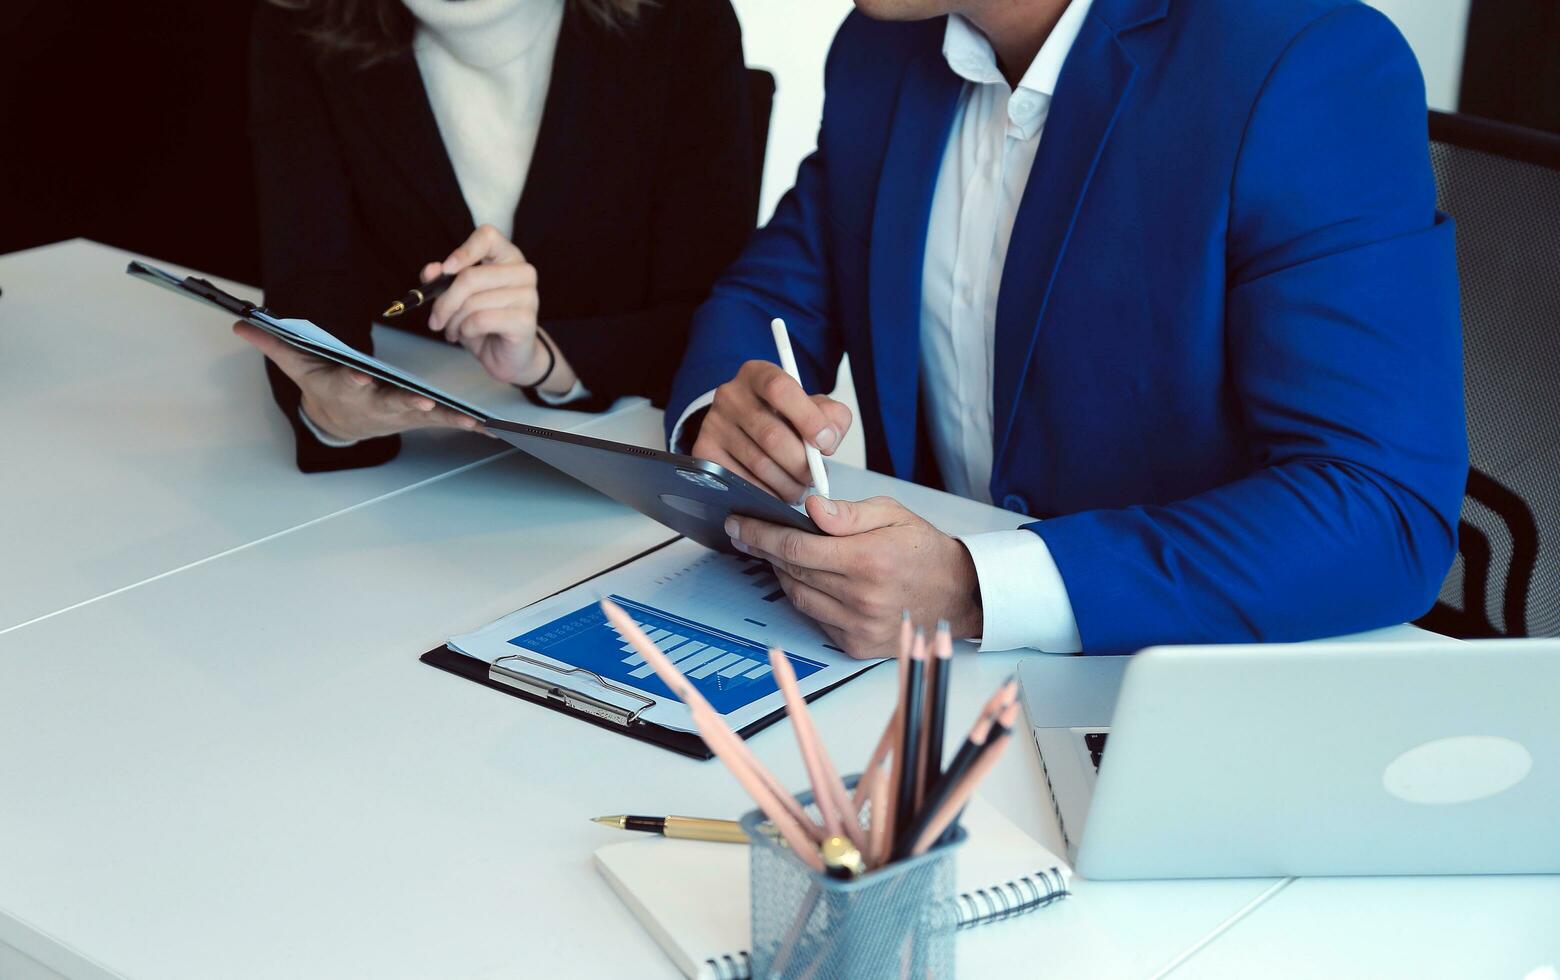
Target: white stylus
820,479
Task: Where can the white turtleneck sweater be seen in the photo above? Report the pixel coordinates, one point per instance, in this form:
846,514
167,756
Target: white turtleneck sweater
485,65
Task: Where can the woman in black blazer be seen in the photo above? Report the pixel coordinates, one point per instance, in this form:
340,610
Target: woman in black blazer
386,132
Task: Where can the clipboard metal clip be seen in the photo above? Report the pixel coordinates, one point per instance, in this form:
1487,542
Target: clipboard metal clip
567,697
209,292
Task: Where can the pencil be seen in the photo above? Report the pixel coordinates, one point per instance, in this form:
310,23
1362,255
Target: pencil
879,839
937,702
979,731
968,752
910,729
897,751
791,821
886,742
839,816
939,821
718,737
666,669
879,756
820,478
738,746
848,813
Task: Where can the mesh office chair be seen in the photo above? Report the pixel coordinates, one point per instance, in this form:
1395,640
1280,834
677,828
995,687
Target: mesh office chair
1502,186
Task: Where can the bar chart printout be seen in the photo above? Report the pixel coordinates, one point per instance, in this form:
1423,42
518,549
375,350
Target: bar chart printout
730,671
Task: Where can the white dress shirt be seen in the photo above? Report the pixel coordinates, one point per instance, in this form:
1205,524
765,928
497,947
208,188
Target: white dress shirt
985,167
486,67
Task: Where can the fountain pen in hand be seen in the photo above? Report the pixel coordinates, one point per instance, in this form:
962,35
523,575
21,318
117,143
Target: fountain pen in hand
426,293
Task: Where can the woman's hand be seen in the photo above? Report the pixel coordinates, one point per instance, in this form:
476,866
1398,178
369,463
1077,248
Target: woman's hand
491,308
349,404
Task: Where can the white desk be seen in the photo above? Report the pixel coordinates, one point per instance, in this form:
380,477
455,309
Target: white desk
242,770
235,766
138,435
1455,928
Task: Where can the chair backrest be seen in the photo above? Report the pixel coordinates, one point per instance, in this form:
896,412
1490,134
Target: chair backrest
1501,184
761,102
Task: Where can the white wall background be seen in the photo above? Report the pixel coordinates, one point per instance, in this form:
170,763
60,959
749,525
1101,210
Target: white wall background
1436,29
791,38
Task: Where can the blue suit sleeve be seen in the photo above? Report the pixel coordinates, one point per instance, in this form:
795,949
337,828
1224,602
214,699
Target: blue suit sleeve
783,272
1344,356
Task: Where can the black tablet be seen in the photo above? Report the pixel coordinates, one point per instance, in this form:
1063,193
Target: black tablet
691,496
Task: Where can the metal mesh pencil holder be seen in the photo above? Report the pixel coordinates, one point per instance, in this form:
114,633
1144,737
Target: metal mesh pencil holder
892,922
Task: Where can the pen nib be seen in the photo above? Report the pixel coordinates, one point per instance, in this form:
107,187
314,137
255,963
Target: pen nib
394,309
609,821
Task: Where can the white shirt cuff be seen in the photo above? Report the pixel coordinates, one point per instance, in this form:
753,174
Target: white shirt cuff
324,437
1023,599
702,402
572,395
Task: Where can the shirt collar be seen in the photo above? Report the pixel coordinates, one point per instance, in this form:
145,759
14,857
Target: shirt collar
971,57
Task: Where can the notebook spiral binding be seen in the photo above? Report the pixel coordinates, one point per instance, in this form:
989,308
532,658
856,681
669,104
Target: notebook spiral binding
729,967
1011,898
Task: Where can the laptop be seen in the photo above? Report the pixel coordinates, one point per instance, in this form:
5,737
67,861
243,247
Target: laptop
1347,758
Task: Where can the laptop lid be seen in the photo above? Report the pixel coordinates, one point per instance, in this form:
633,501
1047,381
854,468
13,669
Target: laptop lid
1331,759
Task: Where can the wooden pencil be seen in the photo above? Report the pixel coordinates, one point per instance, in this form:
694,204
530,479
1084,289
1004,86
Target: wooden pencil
950,808
724,743
839,815
885,743
897,751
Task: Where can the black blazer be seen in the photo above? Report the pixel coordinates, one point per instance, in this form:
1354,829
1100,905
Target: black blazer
640,191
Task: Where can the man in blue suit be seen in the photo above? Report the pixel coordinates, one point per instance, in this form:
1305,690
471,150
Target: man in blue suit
1166,275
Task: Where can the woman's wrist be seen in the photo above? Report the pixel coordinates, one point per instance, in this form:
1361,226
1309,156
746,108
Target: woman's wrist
550,368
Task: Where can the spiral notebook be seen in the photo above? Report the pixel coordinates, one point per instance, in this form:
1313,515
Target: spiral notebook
692,896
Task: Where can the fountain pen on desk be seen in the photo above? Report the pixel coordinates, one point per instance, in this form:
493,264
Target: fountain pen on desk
687,828
426,293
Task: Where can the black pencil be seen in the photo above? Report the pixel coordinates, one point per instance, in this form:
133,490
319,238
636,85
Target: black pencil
942,788
938,699
915,695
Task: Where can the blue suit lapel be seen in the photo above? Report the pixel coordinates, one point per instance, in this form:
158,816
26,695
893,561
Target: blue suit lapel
928,97
1094,82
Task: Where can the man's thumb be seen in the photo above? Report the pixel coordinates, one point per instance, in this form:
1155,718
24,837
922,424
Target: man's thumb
842,517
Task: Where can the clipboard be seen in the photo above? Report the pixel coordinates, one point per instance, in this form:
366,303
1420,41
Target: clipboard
510,676
301,334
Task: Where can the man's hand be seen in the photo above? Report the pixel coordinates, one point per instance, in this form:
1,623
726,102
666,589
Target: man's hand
491,308
757,423
877,560
349,404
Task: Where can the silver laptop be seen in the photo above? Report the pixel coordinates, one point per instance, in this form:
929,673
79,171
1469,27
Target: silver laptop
1304,759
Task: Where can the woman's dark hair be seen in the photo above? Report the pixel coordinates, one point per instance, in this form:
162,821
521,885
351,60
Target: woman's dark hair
368,31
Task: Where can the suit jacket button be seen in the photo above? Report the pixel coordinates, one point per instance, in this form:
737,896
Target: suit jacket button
1016,504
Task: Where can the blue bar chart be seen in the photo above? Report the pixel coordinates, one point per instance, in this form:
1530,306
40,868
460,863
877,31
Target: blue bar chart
729,670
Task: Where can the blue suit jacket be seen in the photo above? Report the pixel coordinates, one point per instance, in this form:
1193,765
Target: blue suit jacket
1228,351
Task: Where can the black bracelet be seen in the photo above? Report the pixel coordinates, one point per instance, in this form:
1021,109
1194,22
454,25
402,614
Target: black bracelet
552,362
